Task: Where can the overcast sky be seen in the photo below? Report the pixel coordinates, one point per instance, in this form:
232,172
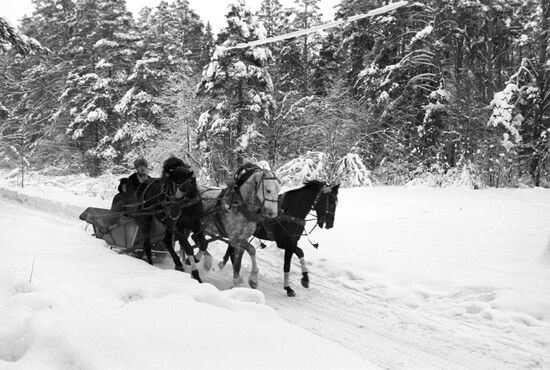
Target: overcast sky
211,10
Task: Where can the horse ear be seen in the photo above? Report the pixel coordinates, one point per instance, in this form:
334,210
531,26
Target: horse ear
335,189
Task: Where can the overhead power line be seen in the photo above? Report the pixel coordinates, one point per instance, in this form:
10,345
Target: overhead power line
318,28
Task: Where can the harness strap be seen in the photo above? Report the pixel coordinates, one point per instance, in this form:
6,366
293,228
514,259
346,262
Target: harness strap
290,218
218,214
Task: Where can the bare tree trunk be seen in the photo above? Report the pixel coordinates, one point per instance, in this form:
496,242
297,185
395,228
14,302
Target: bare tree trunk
459,58
21,153
489,89
240,124
543,83
305,78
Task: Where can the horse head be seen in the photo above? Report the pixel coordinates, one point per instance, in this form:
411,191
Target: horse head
325,206
259,189
179,184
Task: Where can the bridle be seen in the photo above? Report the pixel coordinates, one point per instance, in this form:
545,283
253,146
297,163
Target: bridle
262,179
326,189
256,201
176,195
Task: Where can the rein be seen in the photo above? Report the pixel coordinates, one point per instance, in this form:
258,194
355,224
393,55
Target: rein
180,201
302,221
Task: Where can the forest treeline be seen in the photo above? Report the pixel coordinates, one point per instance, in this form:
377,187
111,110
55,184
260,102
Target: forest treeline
435,90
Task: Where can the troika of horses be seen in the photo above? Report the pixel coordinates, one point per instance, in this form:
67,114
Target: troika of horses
173,207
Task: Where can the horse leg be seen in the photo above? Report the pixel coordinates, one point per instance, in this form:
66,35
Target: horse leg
236,259
286,268
253,278
228,254
200,240
305,276
169,245
188,252
146,232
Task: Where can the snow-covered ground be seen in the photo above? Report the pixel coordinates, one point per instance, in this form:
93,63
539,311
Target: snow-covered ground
408,278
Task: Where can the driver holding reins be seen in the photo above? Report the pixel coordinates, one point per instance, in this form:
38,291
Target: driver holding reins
139,176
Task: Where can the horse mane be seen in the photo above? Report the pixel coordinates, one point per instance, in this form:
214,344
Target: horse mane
309,184
171,164
244,172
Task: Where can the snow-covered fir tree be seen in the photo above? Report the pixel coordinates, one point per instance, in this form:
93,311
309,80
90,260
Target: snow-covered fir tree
105,47
240,84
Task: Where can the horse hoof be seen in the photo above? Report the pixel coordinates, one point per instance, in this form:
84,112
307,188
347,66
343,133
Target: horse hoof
253,280
207,263
195,275
305,280
290,292
237,280
179,268
221,265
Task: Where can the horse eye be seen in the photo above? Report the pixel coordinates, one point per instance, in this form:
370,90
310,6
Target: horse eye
268,191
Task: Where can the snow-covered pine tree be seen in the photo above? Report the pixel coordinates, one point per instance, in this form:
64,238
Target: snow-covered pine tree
522,107
175,35
30,88
170,57
277,21
105,47
356,41
309,166
308,15
240,84
11,38
352,172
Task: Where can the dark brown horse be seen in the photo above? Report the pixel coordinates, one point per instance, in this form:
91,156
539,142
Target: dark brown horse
287,228
175,201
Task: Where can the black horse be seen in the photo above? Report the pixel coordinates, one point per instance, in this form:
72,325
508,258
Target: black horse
175,201
287,228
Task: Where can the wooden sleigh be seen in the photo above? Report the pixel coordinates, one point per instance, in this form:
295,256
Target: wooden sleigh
120,231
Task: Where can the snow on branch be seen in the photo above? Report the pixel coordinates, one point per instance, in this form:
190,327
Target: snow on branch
422,34
10,37
352,172
503,105
106,43
349,171
318,28
122,105
310,166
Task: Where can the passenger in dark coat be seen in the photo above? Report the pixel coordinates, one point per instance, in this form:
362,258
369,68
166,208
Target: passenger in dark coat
123,198
139,176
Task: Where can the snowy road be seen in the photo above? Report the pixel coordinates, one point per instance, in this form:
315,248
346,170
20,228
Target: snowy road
471,294
395,334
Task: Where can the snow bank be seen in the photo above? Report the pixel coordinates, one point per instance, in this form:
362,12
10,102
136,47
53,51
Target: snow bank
66,301
435,243
456,275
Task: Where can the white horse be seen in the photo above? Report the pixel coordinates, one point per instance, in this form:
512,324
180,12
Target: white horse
232,213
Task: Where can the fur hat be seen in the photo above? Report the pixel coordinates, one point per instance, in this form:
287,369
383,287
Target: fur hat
123,181
140,162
